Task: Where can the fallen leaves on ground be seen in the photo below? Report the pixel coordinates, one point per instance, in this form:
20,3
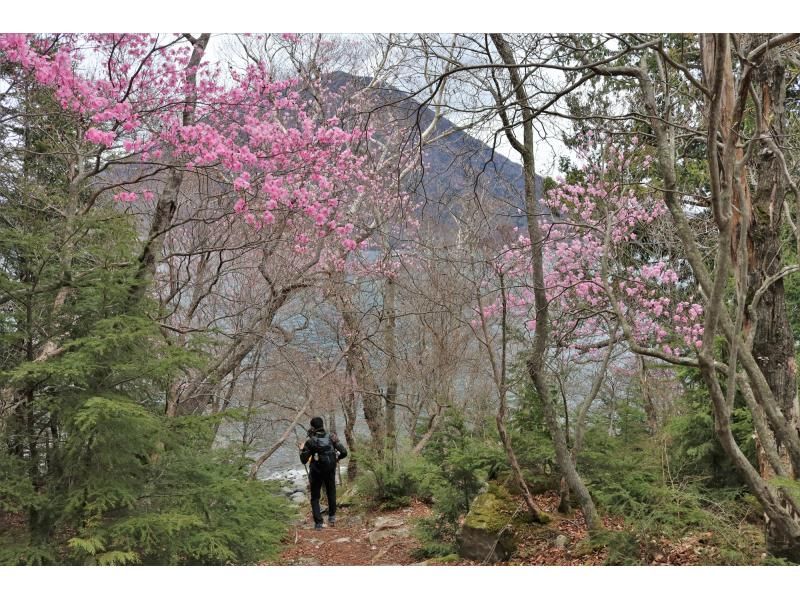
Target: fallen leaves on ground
695,549
348,542
535,545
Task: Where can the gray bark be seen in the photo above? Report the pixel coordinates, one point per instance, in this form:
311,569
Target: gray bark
536,362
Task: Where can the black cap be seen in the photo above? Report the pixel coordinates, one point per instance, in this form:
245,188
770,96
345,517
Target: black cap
317,423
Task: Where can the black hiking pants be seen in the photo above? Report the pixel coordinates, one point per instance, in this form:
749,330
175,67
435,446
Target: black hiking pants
317,480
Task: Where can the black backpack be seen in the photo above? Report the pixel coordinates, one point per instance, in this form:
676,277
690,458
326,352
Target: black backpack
324,452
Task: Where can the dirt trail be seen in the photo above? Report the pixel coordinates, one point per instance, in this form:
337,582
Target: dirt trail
355,540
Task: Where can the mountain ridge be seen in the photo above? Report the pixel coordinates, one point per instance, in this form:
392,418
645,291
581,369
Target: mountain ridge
455,164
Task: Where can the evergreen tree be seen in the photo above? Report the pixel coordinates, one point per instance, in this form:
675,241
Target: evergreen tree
91,469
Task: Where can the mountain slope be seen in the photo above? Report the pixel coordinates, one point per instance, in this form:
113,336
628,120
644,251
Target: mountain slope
455,165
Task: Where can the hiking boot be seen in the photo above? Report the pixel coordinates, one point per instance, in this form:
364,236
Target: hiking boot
332,521
317,526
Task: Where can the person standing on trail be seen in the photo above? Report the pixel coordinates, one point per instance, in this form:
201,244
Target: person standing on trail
324,451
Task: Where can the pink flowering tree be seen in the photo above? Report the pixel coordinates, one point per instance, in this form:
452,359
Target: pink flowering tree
154,101
611,274
156,119
606,267
613,280
609,261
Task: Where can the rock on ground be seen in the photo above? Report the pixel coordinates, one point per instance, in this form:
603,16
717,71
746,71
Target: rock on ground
487,534
378,536
382,523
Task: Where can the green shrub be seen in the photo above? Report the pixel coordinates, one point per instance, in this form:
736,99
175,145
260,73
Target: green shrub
462,463
693,447
458,464
437,536
390,486
117,481
632,480
529,436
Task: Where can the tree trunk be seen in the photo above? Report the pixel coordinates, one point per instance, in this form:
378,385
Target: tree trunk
371,397
434,422
773,340
350,410
502,388
535,364
167,202
564,498
519,477
391,371
647,398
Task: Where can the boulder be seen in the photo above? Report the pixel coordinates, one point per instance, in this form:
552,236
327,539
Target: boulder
387,522
487,534
561,541
376,536
388,527
298,498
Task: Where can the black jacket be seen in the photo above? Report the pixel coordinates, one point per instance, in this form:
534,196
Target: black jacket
308,450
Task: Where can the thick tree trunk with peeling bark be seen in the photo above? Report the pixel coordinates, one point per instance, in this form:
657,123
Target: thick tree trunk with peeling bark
773,341
750,225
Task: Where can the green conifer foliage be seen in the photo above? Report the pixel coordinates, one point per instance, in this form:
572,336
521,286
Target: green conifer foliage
91,469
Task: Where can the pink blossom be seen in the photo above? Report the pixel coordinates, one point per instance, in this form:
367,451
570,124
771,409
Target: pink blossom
100,137
127,196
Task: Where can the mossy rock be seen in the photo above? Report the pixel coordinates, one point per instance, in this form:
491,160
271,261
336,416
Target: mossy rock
492,509
487,534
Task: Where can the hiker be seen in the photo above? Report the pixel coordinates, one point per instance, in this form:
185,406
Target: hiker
324,450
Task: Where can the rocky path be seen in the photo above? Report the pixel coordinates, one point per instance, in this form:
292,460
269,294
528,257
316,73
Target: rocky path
387,538
384,538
